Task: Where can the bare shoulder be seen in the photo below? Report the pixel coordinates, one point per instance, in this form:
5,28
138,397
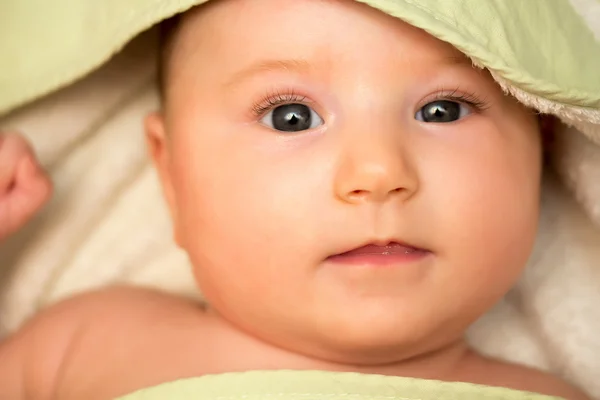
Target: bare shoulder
126,304
497,373
81,334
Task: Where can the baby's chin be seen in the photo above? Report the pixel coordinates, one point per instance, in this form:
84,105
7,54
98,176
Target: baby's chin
391,333
371,357
379,348
358,340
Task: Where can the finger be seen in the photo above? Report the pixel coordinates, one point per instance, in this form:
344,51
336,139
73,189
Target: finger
32,181
32,185
11,149
31,191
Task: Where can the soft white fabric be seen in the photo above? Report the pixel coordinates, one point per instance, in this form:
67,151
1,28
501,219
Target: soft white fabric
107,224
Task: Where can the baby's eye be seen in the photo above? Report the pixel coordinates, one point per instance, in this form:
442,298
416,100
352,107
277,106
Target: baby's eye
442,111
293,117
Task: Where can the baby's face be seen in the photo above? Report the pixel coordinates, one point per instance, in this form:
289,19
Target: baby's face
295,131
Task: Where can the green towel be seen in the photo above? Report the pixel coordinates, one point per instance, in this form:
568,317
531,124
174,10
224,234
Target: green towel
319,385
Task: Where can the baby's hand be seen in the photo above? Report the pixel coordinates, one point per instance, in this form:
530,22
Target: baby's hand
24,186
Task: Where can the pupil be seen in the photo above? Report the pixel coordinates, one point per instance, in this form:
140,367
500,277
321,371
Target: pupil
442,111
292,118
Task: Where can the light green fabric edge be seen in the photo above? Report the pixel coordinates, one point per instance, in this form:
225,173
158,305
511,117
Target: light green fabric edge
321,385
434,16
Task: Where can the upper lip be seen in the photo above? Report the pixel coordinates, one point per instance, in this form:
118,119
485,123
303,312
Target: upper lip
381,243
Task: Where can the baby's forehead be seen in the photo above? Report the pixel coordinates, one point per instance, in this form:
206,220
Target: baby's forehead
304,30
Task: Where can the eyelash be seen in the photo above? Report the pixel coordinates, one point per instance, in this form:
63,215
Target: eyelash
276,99
477,103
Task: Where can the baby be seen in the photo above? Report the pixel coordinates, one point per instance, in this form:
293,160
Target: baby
352,194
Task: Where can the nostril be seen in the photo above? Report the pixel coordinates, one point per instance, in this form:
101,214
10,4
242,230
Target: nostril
397,190
357,194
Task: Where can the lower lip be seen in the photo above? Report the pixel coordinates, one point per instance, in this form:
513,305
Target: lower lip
381,258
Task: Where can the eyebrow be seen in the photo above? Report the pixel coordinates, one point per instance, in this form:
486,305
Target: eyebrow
458,60
298,66
304,67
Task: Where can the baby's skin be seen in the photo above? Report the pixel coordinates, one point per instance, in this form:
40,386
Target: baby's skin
24,186
352,194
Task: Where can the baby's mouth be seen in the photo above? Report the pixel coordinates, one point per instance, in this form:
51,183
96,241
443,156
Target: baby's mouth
389,254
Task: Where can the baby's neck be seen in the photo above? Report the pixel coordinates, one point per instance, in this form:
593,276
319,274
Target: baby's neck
442,364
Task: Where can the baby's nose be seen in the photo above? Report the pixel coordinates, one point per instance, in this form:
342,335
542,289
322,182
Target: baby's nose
374,171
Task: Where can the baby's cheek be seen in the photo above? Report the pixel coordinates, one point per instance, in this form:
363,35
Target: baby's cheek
489,224
242,243
237,216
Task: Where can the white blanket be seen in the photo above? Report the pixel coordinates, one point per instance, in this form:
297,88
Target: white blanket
107,224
